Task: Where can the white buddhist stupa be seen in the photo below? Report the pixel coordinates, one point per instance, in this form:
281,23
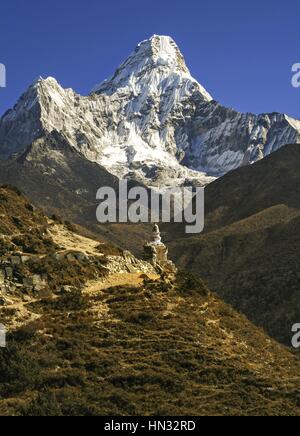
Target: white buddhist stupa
156,253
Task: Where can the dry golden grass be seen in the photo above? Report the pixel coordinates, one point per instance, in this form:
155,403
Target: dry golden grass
148,348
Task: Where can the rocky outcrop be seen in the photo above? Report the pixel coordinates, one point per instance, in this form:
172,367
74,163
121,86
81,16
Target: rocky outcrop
128,264
13,281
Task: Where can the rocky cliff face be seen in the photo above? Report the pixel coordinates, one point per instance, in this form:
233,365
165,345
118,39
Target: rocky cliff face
152,121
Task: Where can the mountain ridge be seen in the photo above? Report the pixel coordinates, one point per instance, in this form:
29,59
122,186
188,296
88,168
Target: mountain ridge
152,122
248,253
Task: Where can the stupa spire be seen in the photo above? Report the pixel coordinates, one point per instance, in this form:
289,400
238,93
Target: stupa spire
156,237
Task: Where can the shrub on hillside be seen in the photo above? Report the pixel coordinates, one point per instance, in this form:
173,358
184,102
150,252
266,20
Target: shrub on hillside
188,284
109,250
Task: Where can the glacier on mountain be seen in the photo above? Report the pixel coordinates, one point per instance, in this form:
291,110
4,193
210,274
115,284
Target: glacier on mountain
151,121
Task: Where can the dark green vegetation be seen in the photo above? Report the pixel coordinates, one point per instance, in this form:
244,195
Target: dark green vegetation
249,252
157,348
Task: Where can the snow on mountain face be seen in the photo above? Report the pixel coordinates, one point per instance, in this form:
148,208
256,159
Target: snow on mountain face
151,121
155,66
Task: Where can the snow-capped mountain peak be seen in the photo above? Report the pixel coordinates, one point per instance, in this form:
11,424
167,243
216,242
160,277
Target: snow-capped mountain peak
165,52
151,121
154,66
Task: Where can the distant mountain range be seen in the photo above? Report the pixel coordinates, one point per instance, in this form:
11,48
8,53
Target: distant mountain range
151,122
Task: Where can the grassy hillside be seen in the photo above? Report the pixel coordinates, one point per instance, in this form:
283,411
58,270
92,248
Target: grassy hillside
145,349
99,340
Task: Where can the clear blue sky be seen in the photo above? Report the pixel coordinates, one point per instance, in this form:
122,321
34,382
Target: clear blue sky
241,51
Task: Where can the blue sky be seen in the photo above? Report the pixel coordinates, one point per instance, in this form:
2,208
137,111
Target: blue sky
242,52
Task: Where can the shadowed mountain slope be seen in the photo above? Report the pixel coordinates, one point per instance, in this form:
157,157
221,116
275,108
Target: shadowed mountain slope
62,182
249,252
